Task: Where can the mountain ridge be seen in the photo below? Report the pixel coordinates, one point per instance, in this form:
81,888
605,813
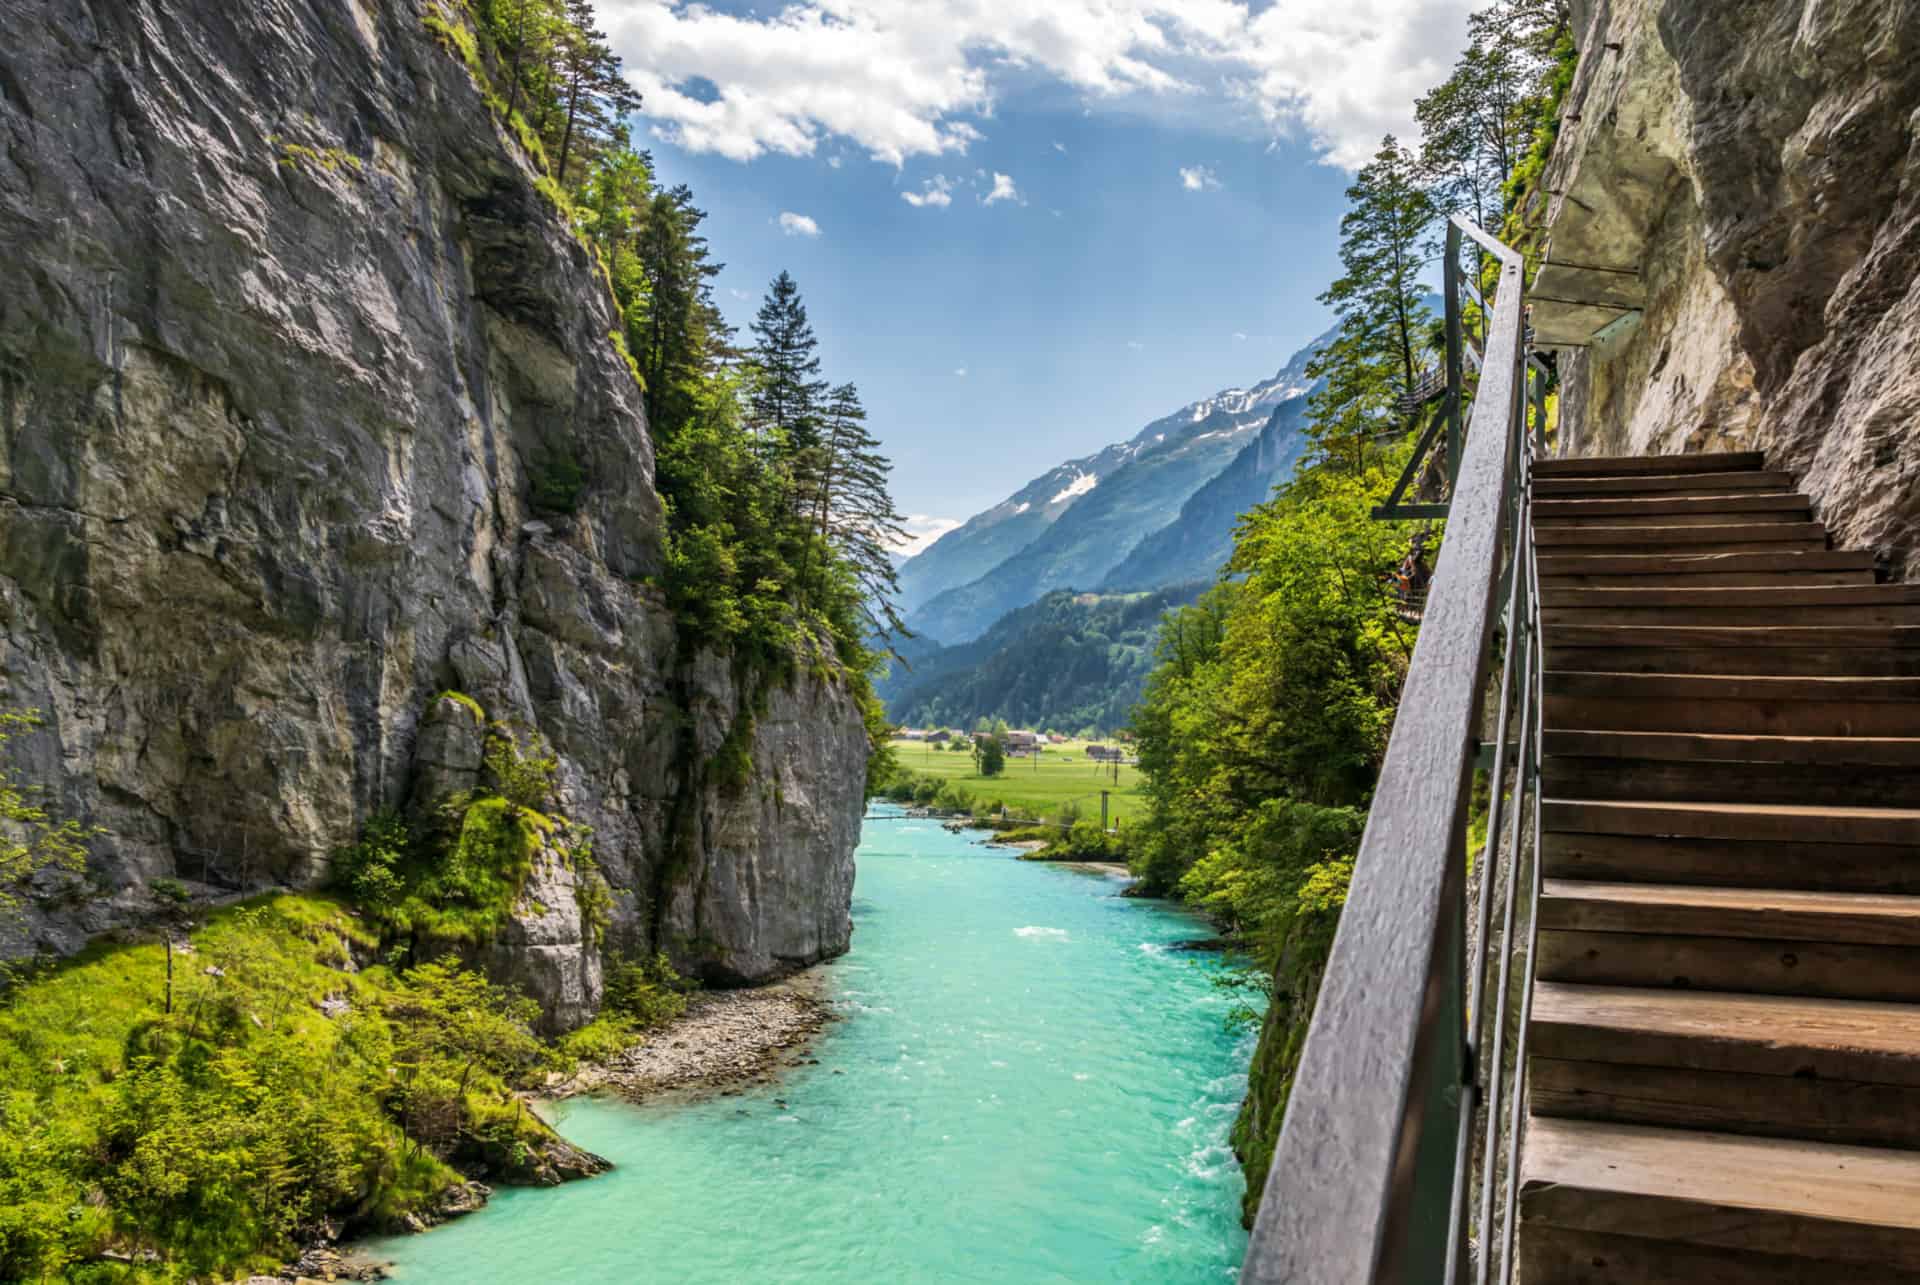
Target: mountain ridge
1073,525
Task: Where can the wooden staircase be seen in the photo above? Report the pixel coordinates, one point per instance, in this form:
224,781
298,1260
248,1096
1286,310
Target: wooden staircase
1724,1046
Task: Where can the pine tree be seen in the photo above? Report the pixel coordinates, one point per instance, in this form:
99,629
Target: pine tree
1383,321
787,397
677,333
853,510
593,94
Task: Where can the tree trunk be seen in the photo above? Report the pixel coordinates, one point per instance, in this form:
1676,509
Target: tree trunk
566,135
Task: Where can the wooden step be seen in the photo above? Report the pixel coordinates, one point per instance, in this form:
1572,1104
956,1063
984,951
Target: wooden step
1690,562
1651,465
1834,945
1561,1256
1726,570
1668,780
1732,704
1713,1208
1878,595
1758,823
1663,859
1829,1070
1669,521
1578,905
1606,507
1718,537
1864,751
1705,611
1791,650
1552,487
1859,1041
1873,604
1757,662
1551,586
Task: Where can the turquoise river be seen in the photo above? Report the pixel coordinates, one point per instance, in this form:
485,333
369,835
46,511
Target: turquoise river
1028,1086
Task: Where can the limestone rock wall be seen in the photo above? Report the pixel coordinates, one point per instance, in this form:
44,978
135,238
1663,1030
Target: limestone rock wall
287,337
1757,164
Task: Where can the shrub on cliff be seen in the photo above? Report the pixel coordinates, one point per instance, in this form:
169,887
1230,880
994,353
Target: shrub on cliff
216,1122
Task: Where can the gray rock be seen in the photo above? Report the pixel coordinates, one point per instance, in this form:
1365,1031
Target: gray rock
1755,163
286,330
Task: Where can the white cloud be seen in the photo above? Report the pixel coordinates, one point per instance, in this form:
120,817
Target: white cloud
901,78
936,192
798,224
1198,178
922,531
1003,190
961,372
1060,148
1239,336
1136,345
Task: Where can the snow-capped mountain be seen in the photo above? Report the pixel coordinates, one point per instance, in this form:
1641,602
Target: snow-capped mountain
1073,525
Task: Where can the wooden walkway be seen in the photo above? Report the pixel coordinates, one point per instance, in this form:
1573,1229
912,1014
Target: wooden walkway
1724,1049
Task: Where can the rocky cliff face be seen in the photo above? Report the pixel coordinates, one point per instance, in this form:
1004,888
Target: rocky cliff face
1735,238
288,339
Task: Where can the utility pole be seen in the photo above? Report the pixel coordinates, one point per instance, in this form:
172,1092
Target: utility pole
1103,811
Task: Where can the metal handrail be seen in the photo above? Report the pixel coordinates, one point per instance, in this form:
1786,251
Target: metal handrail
1376,1157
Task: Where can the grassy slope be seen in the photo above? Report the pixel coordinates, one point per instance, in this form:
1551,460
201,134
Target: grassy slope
123,1128
1064,772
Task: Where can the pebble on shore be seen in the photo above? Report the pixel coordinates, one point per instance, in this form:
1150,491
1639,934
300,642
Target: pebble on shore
725,1038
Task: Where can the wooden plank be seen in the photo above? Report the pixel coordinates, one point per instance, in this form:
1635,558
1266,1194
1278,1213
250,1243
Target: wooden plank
1759,716
1719,537
1842,1112
1556,616
1863,919
1681,562
1795,661
1550,487
1730,964
1601,507
1682,781
1553,587
1560,1256
1878,595
1736,687
1669,521
1841,1039
1655,465
1758,1195
1735,821
1825,637
1865,867
1885,751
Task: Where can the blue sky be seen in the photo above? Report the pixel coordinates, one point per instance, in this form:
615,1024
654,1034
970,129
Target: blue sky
1119,205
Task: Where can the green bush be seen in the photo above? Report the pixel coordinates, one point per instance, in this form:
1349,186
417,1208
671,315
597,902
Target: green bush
555,480
646,992
218,1125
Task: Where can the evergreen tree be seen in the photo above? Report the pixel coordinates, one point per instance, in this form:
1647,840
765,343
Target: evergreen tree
1383,321
677,333
787,397
594,95
853,509
1476,124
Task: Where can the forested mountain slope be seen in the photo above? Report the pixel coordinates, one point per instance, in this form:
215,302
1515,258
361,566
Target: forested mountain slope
1070,662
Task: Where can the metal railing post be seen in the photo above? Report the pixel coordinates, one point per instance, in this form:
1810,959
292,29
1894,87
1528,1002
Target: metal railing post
1456,362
